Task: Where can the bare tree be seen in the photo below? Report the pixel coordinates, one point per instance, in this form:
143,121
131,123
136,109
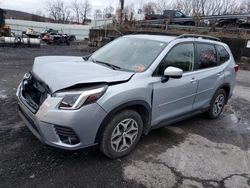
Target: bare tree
76,7
219,7
129,12
149,8
192,7
52,10
244,7
162,5
206,7
58,10
108,11
213,7
85,10
98,14
184,6
65,13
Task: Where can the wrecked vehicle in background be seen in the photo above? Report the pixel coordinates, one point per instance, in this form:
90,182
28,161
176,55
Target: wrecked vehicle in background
233,22
31,33
51,36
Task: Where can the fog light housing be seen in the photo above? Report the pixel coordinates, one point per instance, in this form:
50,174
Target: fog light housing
67,135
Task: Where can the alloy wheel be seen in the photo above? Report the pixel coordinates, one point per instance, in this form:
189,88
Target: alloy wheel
218,104
124,135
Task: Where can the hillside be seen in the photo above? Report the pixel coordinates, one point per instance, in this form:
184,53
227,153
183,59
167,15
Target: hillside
14,14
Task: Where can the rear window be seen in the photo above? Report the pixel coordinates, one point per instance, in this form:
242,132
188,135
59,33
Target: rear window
223,55
206,56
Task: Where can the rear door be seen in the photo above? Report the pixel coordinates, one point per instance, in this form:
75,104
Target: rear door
208,72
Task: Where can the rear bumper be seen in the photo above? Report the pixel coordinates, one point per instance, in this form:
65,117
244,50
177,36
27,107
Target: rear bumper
84,123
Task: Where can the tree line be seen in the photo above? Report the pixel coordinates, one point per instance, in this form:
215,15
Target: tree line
76,11
199,7
79,10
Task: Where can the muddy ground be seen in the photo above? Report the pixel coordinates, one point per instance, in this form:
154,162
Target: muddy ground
193,153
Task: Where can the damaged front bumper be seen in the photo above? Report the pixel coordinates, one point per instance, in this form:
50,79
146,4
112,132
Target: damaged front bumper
66,129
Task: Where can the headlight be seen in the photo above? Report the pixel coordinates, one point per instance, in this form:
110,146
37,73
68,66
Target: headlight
73,100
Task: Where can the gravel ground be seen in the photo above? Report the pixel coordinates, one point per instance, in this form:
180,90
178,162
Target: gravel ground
193,153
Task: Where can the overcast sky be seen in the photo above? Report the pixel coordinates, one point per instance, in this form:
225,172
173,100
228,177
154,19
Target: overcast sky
32,6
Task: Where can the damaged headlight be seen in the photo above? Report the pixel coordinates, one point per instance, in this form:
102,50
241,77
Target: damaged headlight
73,100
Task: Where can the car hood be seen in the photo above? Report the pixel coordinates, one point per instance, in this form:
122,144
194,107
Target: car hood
60,72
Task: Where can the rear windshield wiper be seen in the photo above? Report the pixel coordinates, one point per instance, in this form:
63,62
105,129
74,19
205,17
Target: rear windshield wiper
114,67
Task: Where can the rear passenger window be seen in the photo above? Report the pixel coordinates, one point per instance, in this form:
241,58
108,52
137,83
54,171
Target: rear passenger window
223,55
206,56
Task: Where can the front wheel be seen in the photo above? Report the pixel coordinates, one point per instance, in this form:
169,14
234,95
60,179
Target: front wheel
217,104
121,134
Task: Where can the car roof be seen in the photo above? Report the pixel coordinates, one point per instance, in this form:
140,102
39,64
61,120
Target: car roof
167,39
160,38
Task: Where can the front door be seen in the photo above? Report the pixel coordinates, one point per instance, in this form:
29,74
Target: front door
176,96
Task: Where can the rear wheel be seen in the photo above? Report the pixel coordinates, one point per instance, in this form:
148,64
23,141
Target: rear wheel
217,104
121,134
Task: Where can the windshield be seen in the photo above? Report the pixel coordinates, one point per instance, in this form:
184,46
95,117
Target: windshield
129,53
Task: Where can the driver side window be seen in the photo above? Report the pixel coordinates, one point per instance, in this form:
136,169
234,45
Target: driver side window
180,56
178,15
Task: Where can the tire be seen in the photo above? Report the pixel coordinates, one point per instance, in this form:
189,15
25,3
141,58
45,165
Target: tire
121,134
189,23
217,104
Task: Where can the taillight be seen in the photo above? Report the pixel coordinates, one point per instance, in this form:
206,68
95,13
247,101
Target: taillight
236,67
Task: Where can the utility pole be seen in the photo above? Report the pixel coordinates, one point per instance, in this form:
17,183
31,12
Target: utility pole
122,8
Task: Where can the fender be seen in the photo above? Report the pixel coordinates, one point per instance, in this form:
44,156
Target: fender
227,92
124,106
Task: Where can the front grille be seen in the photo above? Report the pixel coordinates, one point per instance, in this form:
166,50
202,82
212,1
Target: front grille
66,135
34,92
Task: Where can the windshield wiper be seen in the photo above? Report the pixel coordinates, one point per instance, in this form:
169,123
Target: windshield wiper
114,67
86,58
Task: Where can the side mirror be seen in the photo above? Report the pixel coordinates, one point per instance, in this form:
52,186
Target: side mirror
173,72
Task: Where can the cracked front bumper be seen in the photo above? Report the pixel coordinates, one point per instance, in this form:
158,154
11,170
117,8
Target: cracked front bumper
83,122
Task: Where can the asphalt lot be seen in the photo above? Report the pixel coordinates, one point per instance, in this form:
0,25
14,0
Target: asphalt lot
193,153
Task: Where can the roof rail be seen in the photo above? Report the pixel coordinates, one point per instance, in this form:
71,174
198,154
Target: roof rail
198,36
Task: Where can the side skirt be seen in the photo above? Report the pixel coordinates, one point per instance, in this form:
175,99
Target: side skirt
177,119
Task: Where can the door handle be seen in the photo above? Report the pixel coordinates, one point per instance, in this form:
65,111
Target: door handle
219,74
193,80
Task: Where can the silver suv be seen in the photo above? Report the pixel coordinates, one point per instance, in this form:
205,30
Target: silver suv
125,89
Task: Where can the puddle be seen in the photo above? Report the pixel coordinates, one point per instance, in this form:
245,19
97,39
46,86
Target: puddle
3,96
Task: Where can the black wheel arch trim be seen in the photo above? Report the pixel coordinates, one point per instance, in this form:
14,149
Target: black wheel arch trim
121,107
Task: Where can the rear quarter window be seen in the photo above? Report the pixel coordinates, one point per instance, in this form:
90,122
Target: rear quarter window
223,55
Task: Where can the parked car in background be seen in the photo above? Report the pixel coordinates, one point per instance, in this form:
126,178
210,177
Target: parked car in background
169,14
127,88
233,22
229,22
